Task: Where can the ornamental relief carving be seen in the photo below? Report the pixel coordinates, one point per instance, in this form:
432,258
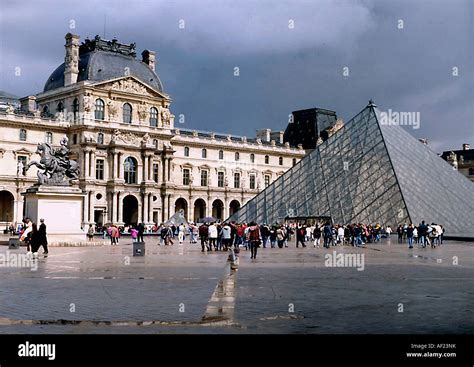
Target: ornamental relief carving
128,85
112,108
142,112
125,138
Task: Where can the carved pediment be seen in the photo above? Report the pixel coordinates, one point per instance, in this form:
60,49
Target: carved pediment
22,151
130,84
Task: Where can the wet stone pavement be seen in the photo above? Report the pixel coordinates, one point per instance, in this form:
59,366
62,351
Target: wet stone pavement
179,289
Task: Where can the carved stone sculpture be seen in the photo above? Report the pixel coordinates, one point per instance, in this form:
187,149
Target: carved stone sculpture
55,168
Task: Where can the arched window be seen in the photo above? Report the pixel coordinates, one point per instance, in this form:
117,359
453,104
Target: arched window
48,137
155,143
45,110
267,159
237,156
252,158
153,117
204,153
99,109
22,135
280,161
221,154
100,138
75,109
127,113
186,151
130,170
60,107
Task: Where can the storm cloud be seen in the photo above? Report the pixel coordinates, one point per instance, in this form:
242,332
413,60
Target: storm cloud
290,55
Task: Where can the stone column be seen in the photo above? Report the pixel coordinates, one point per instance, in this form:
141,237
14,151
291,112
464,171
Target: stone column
169,170
164,171
150,168
85,209
145,207
91,206
226,208
120,207
164,212
86,164
92,167
140,211
114,165
119,167
113,217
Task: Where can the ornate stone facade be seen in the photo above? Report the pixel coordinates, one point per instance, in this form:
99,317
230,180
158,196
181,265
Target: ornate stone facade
135,166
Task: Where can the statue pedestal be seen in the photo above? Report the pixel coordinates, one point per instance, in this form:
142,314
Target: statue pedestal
61,209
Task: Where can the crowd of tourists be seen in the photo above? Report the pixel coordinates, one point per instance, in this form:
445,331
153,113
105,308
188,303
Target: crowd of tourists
221,236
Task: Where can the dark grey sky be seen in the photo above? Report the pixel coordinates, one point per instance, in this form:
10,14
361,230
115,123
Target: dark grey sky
281,69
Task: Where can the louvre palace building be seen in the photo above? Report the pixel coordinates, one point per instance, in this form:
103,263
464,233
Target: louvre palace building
135,164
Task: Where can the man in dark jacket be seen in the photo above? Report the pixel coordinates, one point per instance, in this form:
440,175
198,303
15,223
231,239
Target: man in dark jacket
141,230
203,234
42,237
422,233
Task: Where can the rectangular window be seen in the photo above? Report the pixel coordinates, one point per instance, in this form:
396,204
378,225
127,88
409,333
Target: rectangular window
22,135
220,179
204,176
155,172
22,159
49,138
252,182
236,180
267,180
186,177
99,169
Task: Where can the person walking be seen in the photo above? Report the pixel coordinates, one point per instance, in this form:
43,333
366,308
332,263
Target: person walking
410,235
90,233
204,234
280,233
35,243
43,238
226,236
181,233
255,239
317,235
134,233
140,230
300,233
213,236
114,235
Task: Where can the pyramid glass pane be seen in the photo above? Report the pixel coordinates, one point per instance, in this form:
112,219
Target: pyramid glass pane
369,172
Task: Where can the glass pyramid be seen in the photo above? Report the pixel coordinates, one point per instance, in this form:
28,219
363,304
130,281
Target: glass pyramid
371,173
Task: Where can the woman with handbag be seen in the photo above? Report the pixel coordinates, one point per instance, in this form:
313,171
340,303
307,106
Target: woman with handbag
255,239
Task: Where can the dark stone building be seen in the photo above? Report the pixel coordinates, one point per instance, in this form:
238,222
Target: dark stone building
308,126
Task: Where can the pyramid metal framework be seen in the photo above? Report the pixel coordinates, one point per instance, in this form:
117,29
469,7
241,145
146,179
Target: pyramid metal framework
371,173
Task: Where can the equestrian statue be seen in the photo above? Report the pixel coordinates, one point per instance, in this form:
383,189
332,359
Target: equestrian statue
55,168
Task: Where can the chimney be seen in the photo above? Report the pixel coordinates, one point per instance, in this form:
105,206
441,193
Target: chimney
466,146
277,136
28,104
71,61
264,134
149,58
